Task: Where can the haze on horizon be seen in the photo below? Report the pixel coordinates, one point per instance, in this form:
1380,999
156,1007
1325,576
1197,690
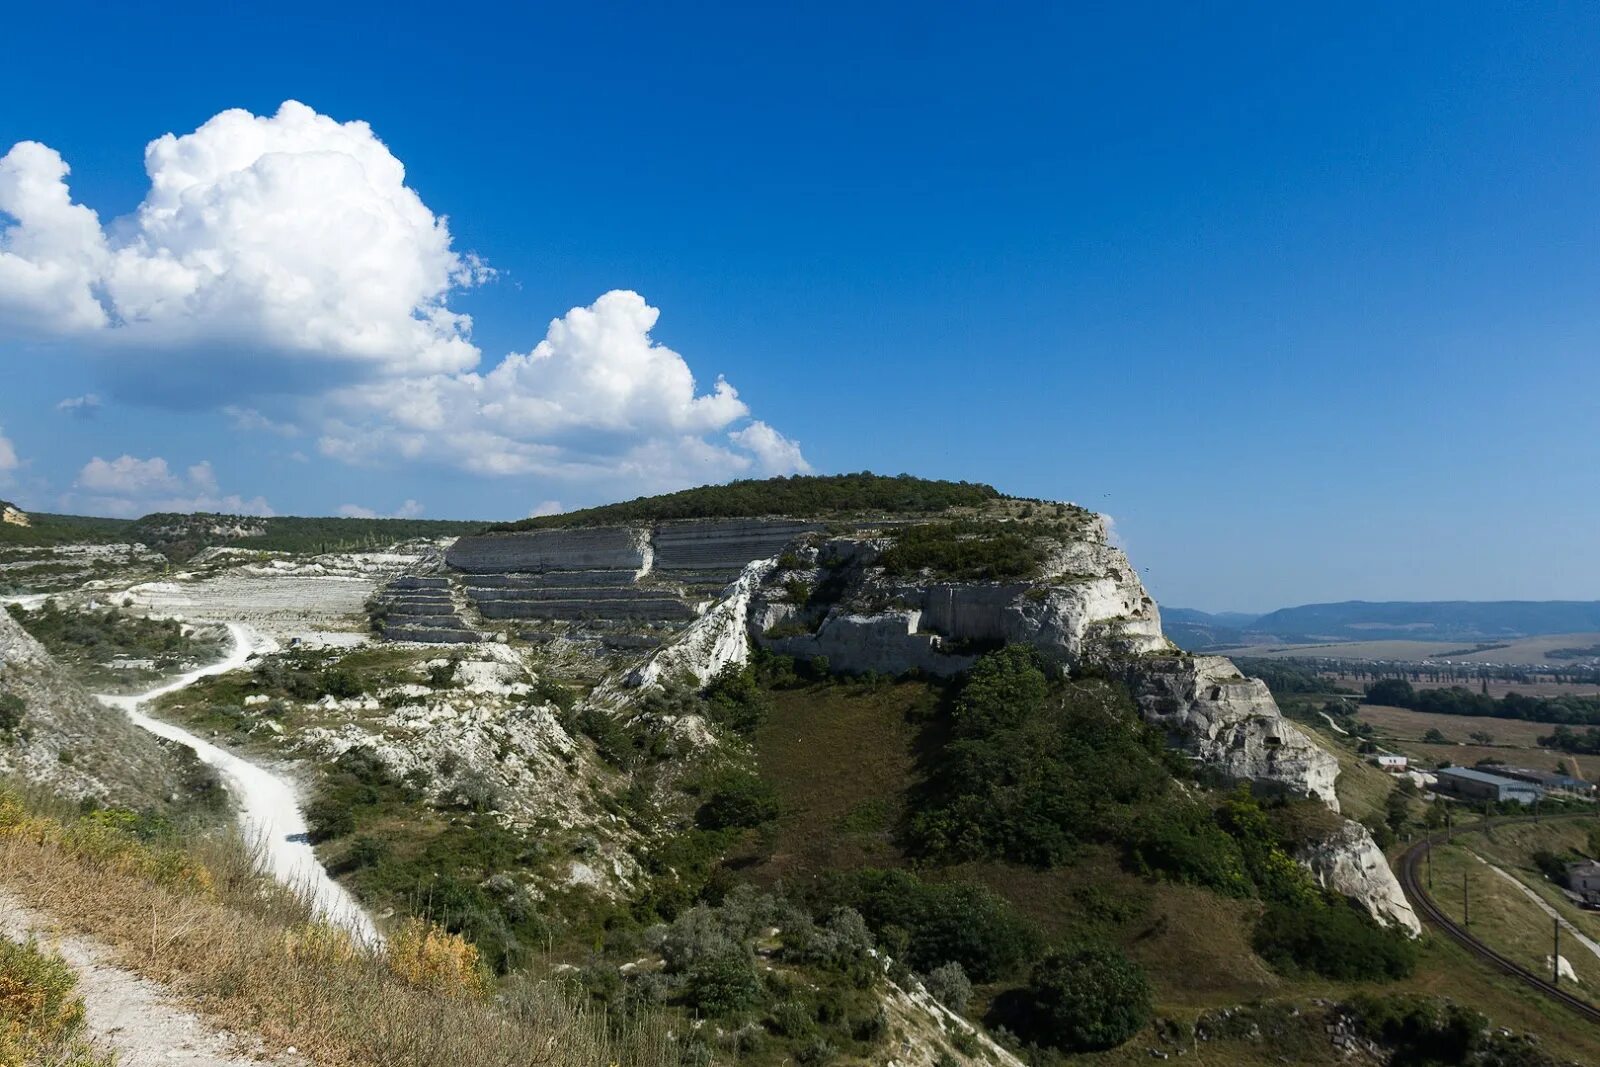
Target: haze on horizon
1304,300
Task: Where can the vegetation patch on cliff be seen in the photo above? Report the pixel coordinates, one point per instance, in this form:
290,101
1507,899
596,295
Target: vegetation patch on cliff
812,496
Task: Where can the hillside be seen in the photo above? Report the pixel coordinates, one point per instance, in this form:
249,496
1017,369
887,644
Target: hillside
810,496
911,774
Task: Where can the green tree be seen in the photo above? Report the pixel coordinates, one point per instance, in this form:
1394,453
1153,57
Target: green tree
1088,998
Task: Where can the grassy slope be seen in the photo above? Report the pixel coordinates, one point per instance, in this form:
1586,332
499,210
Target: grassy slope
842,757
47,529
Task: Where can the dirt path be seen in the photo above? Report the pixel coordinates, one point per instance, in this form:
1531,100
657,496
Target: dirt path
269,807
129,1015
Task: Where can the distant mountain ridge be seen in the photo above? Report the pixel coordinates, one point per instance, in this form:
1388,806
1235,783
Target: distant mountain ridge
1361,620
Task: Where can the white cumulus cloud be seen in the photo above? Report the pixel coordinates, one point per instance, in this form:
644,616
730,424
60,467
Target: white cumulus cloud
8,454
131,486
291,233
597,400
408,510
280,270
80,407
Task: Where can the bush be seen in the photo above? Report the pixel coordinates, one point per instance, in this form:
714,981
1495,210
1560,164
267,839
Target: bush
941,923
735,700
739,800
725,983
11,711
1088,998
948,985
965,550
41,1019
328,819
1185,844
1336,939
425,956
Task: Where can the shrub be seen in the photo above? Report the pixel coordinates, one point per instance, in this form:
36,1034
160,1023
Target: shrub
11,711
1183,843
734,699
40,1018
327,819
965,550
948,985
1088,998
1032,771
425,956
739,800
725,983
1336,939
941,923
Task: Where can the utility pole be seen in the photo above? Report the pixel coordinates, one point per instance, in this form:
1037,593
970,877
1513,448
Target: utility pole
1429,855
1466,901
1555,954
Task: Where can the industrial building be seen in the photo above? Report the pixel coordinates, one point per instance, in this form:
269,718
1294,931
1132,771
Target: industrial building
1549,781
1468,784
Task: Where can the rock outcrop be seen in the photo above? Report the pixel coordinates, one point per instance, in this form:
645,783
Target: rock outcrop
13,515
1208,708
1349,862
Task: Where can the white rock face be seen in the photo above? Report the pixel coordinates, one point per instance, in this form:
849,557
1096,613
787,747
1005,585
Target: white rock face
1350,862
716,639
1230,721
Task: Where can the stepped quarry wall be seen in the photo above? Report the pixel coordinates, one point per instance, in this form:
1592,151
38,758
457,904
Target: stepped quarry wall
722,546
537,551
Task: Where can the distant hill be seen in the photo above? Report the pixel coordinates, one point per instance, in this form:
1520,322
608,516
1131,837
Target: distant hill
1402,620
179,536
1198,630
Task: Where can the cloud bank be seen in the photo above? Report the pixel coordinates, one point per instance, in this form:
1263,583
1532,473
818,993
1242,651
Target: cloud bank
130,486
289,251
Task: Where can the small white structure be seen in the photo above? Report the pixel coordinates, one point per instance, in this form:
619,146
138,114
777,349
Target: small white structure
1391,763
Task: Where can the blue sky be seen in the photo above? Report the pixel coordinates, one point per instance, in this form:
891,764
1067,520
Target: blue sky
1304,300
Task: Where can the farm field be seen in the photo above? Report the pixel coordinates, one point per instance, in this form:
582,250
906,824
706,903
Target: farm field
1515,741
1518,650
1496,688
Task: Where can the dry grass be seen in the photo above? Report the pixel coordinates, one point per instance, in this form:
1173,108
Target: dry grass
244,953
41,1017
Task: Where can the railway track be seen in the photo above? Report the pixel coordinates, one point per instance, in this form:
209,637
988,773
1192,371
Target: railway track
1425,905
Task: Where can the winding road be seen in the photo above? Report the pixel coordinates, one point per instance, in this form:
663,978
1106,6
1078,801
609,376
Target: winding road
269,808
1410,880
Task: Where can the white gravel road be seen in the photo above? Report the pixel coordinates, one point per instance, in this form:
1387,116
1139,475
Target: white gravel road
269,806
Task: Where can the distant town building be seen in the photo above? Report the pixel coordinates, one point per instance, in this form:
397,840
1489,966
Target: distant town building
1468,784
1391,763
1584,880
1550,781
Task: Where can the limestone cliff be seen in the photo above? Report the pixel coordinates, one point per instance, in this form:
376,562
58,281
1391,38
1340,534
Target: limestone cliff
1349,861
13,515
1085,609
